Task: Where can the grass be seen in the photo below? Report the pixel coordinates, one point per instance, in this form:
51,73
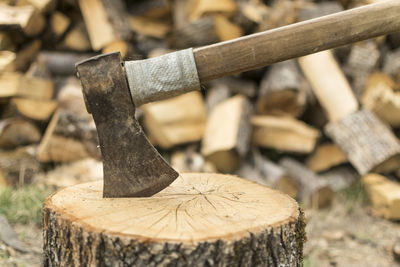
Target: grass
23,205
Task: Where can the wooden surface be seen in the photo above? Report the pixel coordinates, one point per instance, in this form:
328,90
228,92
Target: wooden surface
329,85
199,220
261,49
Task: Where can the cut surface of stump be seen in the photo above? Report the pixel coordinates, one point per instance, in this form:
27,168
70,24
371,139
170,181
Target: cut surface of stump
199,220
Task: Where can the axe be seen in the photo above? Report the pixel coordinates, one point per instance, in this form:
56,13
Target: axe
113,88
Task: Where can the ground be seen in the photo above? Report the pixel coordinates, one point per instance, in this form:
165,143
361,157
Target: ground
344,235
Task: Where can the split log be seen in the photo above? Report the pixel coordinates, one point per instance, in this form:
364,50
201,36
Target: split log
227,134
76,39
283,133
191,161
21,18
225,29
18,132
217,93
199,8
381,97
70,98
341,177
361,62
281,91
105,21
200,219
5,42
68,138
391,65
326,156
43,6
176,120
198,33
59,24
26,54
384,196
314,191
149,27
34,109
368,143
276,176
7,61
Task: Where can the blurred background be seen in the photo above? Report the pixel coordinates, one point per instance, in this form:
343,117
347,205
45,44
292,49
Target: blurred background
265,125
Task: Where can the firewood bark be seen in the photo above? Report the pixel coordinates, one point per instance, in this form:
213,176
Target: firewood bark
368,143
340,177
281,91
381,97
313,191
201,219
227,135
176,121
283,133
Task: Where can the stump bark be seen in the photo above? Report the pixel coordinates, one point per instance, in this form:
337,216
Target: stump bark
199,220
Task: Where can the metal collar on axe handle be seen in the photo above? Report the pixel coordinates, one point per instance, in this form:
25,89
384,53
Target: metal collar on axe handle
112,88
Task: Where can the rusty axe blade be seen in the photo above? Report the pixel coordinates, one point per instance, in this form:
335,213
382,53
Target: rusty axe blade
132,166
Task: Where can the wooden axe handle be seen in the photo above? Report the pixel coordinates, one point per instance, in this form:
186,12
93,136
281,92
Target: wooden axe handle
265,48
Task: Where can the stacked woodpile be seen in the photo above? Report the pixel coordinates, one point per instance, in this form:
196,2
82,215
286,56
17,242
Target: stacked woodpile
308,126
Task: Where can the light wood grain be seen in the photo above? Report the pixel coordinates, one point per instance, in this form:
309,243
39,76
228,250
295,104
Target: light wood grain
261,49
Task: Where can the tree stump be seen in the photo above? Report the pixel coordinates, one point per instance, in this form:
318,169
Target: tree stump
199,220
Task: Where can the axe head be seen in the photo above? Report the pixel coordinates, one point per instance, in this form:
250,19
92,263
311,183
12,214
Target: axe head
132,167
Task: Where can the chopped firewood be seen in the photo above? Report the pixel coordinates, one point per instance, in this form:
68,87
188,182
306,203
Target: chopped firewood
177,120
18,132
225,29
179,13
384,196
197,33
326,156
200,8
19,165
227,135
394,39
76,39
154,9
34,109
68,138
280,13
255,11
15,84
59,24
150,27
340,177
191,161
68,174
329,85
281,91
368,143
283,133
275,175
381,98
22,18
313,190
118,46
7,61
101,29
361,62
26,55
